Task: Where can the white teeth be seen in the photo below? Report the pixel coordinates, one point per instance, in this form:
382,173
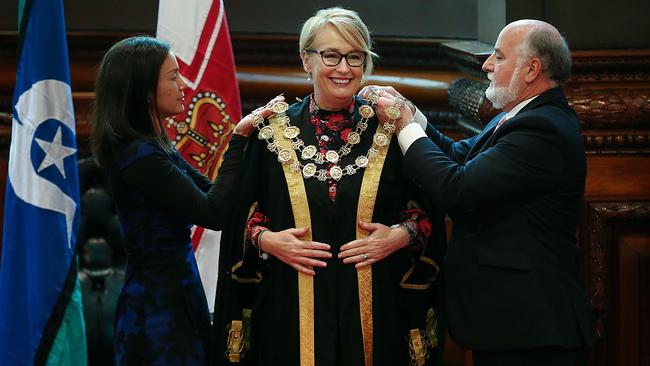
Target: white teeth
341,81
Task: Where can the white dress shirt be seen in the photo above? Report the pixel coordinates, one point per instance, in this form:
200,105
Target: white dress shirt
414,131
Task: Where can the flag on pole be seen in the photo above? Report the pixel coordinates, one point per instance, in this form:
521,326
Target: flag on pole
41,319
198,34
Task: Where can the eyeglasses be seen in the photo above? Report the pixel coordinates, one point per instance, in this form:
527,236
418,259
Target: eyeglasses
333,58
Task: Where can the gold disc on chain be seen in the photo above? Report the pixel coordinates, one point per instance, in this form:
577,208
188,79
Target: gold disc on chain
265,133
280,107
291,132
308,152
354,138
336,172
361,161
366,111
332,156
380,139
284,156
393,112
309,170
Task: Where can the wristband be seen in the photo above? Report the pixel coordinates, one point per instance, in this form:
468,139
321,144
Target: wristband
260,253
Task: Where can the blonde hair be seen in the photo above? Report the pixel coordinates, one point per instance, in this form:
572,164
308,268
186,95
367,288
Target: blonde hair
347,23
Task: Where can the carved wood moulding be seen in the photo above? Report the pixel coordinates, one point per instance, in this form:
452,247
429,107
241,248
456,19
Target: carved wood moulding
610,65
610,108
598,240
625,65
601,217
617,142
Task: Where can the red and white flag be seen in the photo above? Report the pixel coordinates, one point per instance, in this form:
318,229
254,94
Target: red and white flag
198,33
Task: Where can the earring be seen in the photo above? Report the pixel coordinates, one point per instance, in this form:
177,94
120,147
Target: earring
308,75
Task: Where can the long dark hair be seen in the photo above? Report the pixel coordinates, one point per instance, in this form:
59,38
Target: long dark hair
125,97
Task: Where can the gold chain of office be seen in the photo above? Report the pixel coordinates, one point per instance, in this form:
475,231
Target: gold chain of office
310,152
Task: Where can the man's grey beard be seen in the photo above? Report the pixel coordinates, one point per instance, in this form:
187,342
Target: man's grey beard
503,95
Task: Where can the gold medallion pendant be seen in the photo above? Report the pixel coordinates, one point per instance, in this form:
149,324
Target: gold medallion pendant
393,112
308,152
332,156
380,139
361,161
366,111
309,170
354,138
291,132
265,133
336,173
284,156
280,107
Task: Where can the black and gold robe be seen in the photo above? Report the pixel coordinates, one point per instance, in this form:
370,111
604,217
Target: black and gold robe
257,305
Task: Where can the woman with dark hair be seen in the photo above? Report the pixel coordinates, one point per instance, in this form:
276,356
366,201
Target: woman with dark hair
162,316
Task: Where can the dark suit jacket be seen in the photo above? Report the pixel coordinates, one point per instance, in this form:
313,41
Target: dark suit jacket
514,197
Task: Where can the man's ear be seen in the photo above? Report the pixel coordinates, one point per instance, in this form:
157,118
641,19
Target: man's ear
533,70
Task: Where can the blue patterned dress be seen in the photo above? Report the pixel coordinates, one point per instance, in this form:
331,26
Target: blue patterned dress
162,317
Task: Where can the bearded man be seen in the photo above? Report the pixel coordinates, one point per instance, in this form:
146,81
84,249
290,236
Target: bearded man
514,193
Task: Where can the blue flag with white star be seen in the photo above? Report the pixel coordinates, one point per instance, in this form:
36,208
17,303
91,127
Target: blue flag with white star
41,319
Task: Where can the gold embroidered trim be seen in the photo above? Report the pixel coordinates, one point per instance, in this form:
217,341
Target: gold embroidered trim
432,328
365,209
235,341
417,348
302,218
412,286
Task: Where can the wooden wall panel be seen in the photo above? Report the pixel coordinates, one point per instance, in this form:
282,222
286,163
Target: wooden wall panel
616,240
633,263
618,177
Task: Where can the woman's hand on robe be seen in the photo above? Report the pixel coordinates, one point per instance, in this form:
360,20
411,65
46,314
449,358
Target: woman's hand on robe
286,246
379,244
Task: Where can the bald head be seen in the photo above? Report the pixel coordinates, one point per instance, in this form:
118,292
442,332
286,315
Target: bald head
542,40
531,24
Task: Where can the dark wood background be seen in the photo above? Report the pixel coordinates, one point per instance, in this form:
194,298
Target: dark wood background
610,89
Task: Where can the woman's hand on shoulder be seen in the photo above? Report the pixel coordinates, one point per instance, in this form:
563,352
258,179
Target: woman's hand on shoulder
246,125
286,246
